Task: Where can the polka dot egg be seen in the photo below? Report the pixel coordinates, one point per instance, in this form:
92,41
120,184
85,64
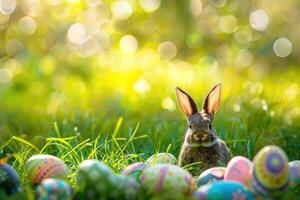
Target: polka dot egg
239,169
40,167
270,174
166,181
9,179
52,188
211,175
134,170
162,158
294,168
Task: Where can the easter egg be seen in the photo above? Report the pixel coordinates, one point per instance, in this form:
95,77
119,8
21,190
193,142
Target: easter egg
52,188
162,158
211,175
95,180
134,170
9,179
294,168
270,174
166,181
221,190
129,187
40,167
239,169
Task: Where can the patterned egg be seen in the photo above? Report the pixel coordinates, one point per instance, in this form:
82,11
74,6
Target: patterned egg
239,169
130,188
294,168
95,180
211,175
52,188
166,181
9,179
162,158
134,170
270,174
220,190
40,167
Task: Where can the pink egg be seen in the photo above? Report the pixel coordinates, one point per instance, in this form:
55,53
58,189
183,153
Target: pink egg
239,170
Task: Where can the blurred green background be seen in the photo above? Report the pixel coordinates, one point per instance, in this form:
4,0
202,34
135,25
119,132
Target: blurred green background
82,64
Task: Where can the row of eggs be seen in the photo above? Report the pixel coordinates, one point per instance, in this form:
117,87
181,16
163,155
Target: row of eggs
267,177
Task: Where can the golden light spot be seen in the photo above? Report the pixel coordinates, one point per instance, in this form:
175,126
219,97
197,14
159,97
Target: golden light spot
77,34
7,7
168,104
128,44
121,10
141,86
31,7
195,7
27,25
150,5
167,50
259,20
228,24
282,47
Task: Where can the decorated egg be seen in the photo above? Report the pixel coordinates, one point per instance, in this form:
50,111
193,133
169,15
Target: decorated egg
52,188
95,180
294,168
211,175
166,181
129,187
270,174
221,190
40,167
9,179
239,169
162,158
134,170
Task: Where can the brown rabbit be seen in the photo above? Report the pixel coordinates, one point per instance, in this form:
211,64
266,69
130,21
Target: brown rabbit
201,143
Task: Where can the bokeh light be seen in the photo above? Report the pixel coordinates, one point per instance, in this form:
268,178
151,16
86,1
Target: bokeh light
27,25
141,86
282,47
167,50
77,34
150,5
7,7
168,104
195,7
128,44
228,24
259,20
122,10
32,8
5,75
218,3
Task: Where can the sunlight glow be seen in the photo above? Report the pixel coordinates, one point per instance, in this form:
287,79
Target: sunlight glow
121,10
27,25
129,44
195,7
167,50
282,47
168,104
5,75
150,5
259,20
7,7
141,86
228,24
32,7
77,34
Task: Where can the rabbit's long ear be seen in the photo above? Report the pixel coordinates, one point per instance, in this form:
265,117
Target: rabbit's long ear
212,100
186,103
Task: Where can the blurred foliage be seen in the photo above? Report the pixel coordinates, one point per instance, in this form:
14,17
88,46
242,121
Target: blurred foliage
84,63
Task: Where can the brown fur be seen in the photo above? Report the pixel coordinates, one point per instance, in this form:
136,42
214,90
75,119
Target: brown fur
201,143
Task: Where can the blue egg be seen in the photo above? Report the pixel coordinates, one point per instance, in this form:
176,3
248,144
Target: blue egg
211,175
52,188
221,190
9,179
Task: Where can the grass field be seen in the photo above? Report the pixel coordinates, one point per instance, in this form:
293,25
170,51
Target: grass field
62,95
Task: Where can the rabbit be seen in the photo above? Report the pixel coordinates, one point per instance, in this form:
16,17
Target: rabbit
201,143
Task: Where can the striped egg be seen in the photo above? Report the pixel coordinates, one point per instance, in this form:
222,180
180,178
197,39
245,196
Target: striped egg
270,174
211,175
221,190
294,168
162,158
52,188
40,167
134,170
166,181
128,186
239,169
9,179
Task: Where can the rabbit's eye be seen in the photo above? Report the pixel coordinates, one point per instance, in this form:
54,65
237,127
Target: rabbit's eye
209,126
190,126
